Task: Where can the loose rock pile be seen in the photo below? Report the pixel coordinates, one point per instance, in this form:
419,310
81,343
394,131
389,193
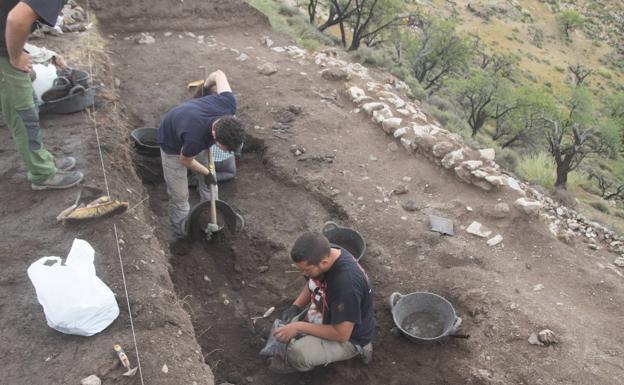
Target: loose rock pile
419,133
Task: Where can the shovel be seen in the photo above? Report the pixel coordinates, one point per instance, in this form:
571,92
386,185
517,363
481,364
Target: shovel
212,227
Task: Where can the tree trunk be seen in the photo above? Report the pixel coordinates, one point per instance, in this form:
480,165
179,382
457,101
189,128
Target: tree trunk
562,175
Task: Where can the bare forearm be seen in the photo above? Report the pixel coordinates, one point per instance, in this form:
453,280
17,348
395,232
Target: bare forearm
194,165
19,23
303,299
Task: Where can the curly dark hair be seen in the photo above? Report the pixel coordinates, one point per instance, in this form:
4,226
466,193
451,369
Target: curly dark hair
229,131
311,248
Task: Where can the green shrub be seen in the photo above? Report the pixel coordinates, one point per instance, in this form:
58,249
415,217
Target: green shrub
508,159
559,69
372,56
604,73
540,169
600,206
288,10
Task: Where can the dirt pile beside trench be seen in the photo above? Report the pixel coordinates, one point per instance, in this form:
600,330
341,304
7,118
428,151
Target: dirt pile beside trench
187,15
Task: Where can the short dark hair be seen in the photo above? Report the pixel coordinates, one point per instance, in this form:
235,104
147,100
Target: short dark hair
311,248
229,131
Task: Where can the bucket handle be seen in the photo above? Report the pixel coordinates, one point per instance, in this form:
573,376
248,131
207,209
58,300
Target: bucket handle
454,332
393,297
328,226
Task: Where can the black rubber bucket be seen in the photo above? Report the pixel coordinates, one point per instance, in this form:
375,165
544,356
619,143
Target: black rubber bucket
346,238
147,155
146,141
424,317
199,216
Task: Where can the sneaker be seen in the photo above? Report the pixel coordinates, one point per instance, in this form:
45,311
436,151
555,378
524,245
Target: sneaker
278,365
65,164
60,180
366,355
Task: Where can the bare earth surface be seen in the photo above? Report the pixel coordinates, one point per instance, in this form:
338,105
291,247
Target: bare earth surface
195,308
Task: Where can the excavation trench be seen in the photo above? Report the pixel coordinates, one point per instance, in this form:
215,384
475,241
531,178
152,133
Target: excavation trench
224,282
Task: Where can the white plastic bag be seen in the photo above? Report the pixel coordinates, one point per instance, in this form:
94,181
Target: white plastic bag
74,299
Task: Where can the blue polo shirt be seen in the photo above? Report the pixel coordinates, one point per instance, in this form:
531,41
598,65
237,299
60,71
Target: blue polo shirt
187,128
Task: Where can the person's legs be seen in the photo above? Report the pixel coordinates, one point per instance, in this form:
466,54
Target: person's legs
20,115
226,169
305,353
177,187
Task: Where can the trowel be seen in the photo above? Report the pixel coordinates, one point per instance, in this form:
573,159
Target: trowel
123,357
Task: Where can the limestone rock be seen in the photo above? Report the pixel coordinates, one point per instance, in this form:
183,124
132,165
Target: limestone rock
534,340
453,158
145,38
528,206
267,69
266,41
442,148
91,380
335,74
356,92
380,115
477,229
362,99
495,180
399,132
619,261
389,125
487,154
373,106
514,185
407,144
471,164
495,240
547,337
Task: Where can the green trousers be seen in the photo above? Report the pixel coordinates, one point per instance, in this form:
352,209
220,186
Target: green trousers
22,118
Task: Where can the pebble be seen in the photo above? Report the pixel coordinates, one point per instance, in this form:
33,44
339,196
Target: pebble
534,340
547,337
407,179
538,287
619,262
495,240
410,206
165,369
477,229
91,380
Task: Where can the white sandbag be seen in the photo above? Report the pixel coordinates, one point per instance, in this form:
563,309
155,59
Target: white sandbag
74,299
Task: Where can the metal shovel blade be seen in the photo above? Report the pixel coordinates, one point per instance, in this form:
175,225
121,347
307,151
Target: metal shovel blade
130,372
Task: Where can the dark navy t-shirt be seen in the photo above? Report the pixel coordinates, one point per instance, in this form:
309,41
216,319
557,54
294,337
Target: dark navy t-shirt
187,128
348,297
47,10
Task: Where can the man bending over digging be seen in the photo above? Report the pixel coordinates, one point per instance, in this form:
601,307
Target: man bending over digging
186,133
339,323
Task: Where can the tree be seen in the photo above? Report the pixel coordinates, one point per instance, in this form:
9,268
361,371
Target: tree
522,125
574,133
366,19
570,20
483,95
371,17
580,73
438,53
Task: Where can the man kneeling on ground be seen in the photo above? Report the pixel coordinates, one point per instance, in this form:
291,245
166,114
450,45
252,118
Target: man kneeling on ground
339,323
